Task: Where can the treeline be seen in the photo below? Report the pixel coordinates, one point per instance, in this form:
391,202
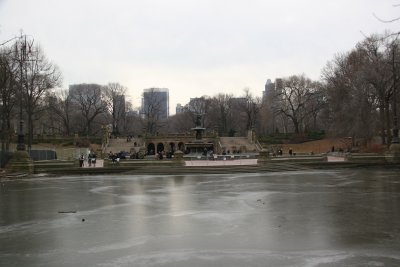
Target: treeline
25,76
33,103
356,97
361,89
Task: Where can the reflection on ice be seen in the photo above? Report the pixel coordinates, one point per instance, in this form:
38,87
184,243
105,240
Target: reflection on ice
248,257
304,218
102,189
118,246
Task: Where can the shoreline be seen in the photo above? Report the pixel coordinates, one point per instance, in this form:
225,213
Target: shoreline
176,169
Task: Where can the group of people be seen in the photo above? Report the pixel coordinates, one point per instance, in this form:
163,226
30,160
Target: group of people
114,157
207,152
129,138
234,151
162,154
91,160
279,152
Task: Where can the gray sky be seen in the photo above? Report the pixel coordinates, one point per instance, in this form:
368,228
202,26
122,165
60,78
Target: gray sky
193,47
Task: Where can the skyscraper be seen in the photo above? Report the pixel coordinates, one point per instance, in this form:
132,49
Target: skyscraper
155,103
269,88
179,108
278,86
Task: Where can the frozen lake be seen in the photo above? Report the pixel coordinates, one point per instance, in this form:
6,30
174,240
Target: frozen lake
307,218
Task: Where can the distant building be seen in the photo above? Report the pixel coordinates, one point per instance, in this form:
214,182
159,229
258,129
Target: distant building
155,103
278,86
272,96
269,87
272,89
179,109
83,90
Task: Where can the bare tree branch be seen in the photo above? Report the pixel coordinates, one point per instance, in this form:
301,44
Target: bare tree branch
385,21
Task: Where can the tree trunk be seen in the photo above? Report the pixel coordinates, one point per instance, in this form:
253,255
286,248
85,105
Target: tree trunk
30,131
296,126
88,128
382,122
8,136
388,122
66,125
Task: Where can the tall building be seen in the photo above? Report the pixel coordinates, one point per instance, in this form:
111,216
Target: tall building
179,109
272,97
272,89
155,103
278,86
269,87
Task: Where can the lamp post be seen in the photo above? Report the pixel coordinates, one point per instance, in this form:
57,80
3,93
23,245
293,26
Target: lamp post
394,149
23,47
395,138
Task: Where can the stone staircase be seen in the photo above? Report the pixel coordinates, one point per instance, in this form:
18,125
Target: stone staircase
116,145
241,144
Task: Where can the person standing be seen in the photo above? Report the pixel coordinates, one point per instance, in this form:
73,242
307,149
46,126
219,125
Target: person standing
94,160
89,159
81,160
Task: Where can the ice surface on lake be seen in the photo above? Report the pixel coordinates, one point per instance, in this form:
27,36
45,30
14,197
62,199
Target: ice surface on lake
303,218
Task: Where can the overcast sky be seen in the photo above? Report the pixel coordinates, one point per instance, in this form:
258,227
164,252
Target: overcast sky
193,47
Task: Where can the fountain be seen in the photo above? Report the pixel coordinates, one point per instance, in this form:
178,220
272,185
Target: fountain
198,146
199,152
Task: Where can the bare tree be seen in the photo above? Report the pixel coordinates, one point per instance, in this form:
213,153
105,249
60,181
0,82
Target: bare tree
298,92
132,122
220,113
180,123
377,72
315,106
115,101
199,106
8,89
271,121
37,76
351,101
60,104
394,61
251,107
88,100
153,111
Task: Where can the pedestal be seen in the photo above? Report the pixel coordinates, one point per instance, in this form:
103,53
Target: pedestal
393,155
263,156
178,155
20,162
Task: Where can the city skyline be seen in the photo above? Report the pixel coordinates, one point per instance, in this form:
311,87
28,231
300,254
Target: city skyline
194,48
